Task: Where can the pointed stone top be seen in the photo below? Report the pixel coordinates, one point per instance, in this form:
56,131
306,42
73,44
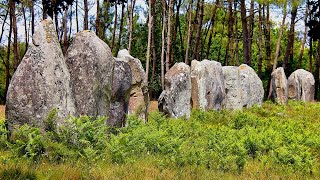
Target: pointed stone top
45,33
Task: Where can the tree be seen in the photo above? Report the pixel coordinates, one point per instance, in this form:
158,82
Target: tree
86,10
245,32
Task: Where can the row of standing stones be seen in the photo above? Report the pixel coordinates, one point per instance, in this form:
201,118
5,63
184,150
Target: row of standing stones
90,81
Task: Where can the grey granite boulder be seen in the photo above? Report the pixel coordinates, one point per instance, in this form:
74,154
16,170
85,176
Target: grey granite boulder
90,63
251,86
139,95
233,88
301,85
208,91
175,99
41,82
279,86
120,96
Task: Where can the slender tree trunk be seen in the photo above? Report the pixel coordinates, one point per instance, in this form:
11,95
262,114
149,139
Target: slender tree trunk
213,17
222,35
310,55
169,37
316,75
8,53
250,30
98,32
290,38
57,23
15,35
131,10
189,32
236,32
32,17
260,44
121,27
114,25
245,32
230,35
85,21
44,10
154,55
65,37
3,24
275,61
268,37
163,43
70,20
25,26
304,36
149,38
198,35
77,19
105,18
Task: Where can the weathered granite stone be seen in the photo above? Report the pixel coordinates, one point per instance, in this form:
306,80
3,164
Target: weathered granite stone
232,83
301,85
175,99
251,86
90,63
208,91
120,96
41,83
279,86
139,95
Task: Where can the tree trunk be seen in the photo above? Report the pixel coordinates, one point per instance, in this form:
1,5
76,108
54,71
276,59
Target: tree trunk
121,27
189,32
65,39
86,22
213,17
77,19
25,26
149,38
290,38
169,37
154,55
245,32
57,23
268,37
304,36
236,32
44,10
260,44
198,35
230,35
15,35
310,55
163,42
131,10
250,30
3,24
275,61
105,18
114,25
316,74
98,32
70,20
32,17
8,53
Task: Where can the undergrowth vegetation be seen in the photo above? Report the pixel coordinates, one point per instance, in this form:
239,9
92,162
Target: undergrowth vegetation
262,142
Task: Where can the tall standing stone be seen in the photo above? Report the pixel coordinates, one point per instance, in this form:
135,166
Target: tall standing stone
90,63
175,99
301,85
139,95
232,83
41,82
208,91
279,86
251,86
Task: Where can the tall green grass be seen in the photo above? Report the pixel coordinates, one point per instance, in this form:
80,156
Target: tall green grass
271,141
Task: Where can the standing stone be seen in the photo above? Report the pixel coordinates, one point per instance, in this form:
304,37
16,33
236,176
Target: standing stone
279,86
208,91
251,86
139,95
90,63
41,82
120,95
232,83
301,85
175,99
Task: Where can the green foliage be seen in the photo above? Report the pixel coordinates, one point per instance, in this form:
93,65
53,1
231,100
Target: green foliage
3,134
16,173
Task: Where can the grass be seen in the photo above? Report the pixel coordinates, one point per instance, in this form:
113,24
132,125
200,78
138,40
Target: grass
268,142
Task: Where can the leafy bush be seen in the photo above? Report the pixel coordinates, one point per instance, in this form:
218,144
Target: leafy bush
3,134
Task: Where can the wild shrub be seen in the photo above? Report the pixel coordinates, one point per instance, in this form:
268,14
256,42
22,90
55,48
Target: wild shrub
3,134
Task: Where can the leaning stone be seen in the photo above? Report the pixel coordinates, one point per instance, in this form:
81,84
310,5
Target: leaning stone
251,86
120,95
139,95
301,86
175,99
208,91
90,63
279,86
41,82
232,83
